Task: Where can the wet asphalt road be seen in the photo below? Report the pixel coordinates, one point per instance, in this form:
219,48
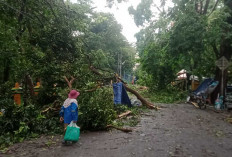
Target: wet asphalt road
177,130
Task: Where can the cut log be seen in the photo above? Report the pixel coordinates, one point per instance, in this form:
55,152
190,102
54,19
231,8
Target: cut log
121,129
194,104
124,114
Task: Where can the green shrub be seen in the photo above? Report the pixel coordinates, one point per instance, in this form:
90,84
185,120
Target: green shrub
20,122
96,109
169,95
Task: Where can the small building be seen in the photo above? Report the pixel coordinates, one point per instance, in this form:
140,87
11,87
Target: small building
184,80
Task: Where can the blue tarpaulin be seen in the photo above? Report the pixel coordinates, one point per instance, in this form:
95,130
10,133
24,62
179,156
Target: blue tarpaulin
120,94
203,86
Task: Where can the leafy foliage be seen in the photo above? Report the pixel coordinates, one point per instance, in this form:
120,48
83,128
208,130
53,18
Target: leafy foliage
97,109
142,13
21,122
169,95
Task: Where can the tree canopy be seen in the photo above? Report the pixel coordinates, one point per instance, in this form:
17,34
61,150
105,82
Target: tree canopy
49,39
191,35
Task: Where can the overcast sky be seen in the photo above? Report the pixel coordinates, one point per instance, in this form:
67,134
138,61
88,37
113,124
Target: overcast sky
121,14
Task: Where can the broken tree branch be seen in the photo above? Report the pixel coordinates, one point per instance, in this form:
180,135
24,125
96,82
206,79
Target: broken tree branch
94,70
47,109
206,6
124,114
144,101
69,82
214,7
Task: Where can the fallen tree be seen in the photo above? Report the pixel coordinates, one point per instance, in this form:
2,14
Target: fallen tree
95,71
143,100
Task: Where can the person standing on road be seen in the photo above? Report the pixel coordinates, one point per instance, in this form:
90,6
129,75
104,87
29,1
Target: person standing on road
69,110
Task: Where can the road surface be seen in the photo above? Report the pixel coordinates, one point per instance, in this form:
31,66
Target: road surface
177,130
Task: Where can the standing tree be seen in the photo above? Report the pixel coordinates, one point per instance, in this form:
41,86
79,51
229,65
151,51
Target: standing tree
190,35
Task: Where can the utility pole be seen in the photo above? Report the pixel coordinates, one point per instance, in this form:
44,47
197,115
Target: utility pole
120,65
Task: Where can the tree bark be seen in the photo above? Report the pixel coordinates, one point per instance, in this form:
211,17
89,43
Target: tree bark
225,50
144,101
201,7
30,83
196,5
216,52
206,7
21,28
6,72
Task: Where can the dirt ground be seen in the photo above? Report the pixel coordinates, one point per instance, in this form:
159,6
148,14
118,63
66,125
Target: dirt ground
177,130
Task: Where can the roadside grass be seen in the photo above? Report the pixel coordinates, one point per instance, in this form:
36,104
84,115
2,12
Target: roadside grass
173,97
169,95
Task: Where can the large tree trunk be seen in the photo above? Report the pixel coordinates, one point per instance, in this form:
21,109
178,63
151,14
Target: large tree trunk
144,101
6,72
206,6
226,51
30,84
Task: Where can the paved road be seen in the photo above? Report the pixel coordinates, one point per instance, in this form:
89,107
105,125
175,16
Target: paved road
178,130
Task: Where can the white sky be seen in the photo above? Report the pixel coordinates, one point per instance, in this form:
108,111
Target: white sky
120,11
121,14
